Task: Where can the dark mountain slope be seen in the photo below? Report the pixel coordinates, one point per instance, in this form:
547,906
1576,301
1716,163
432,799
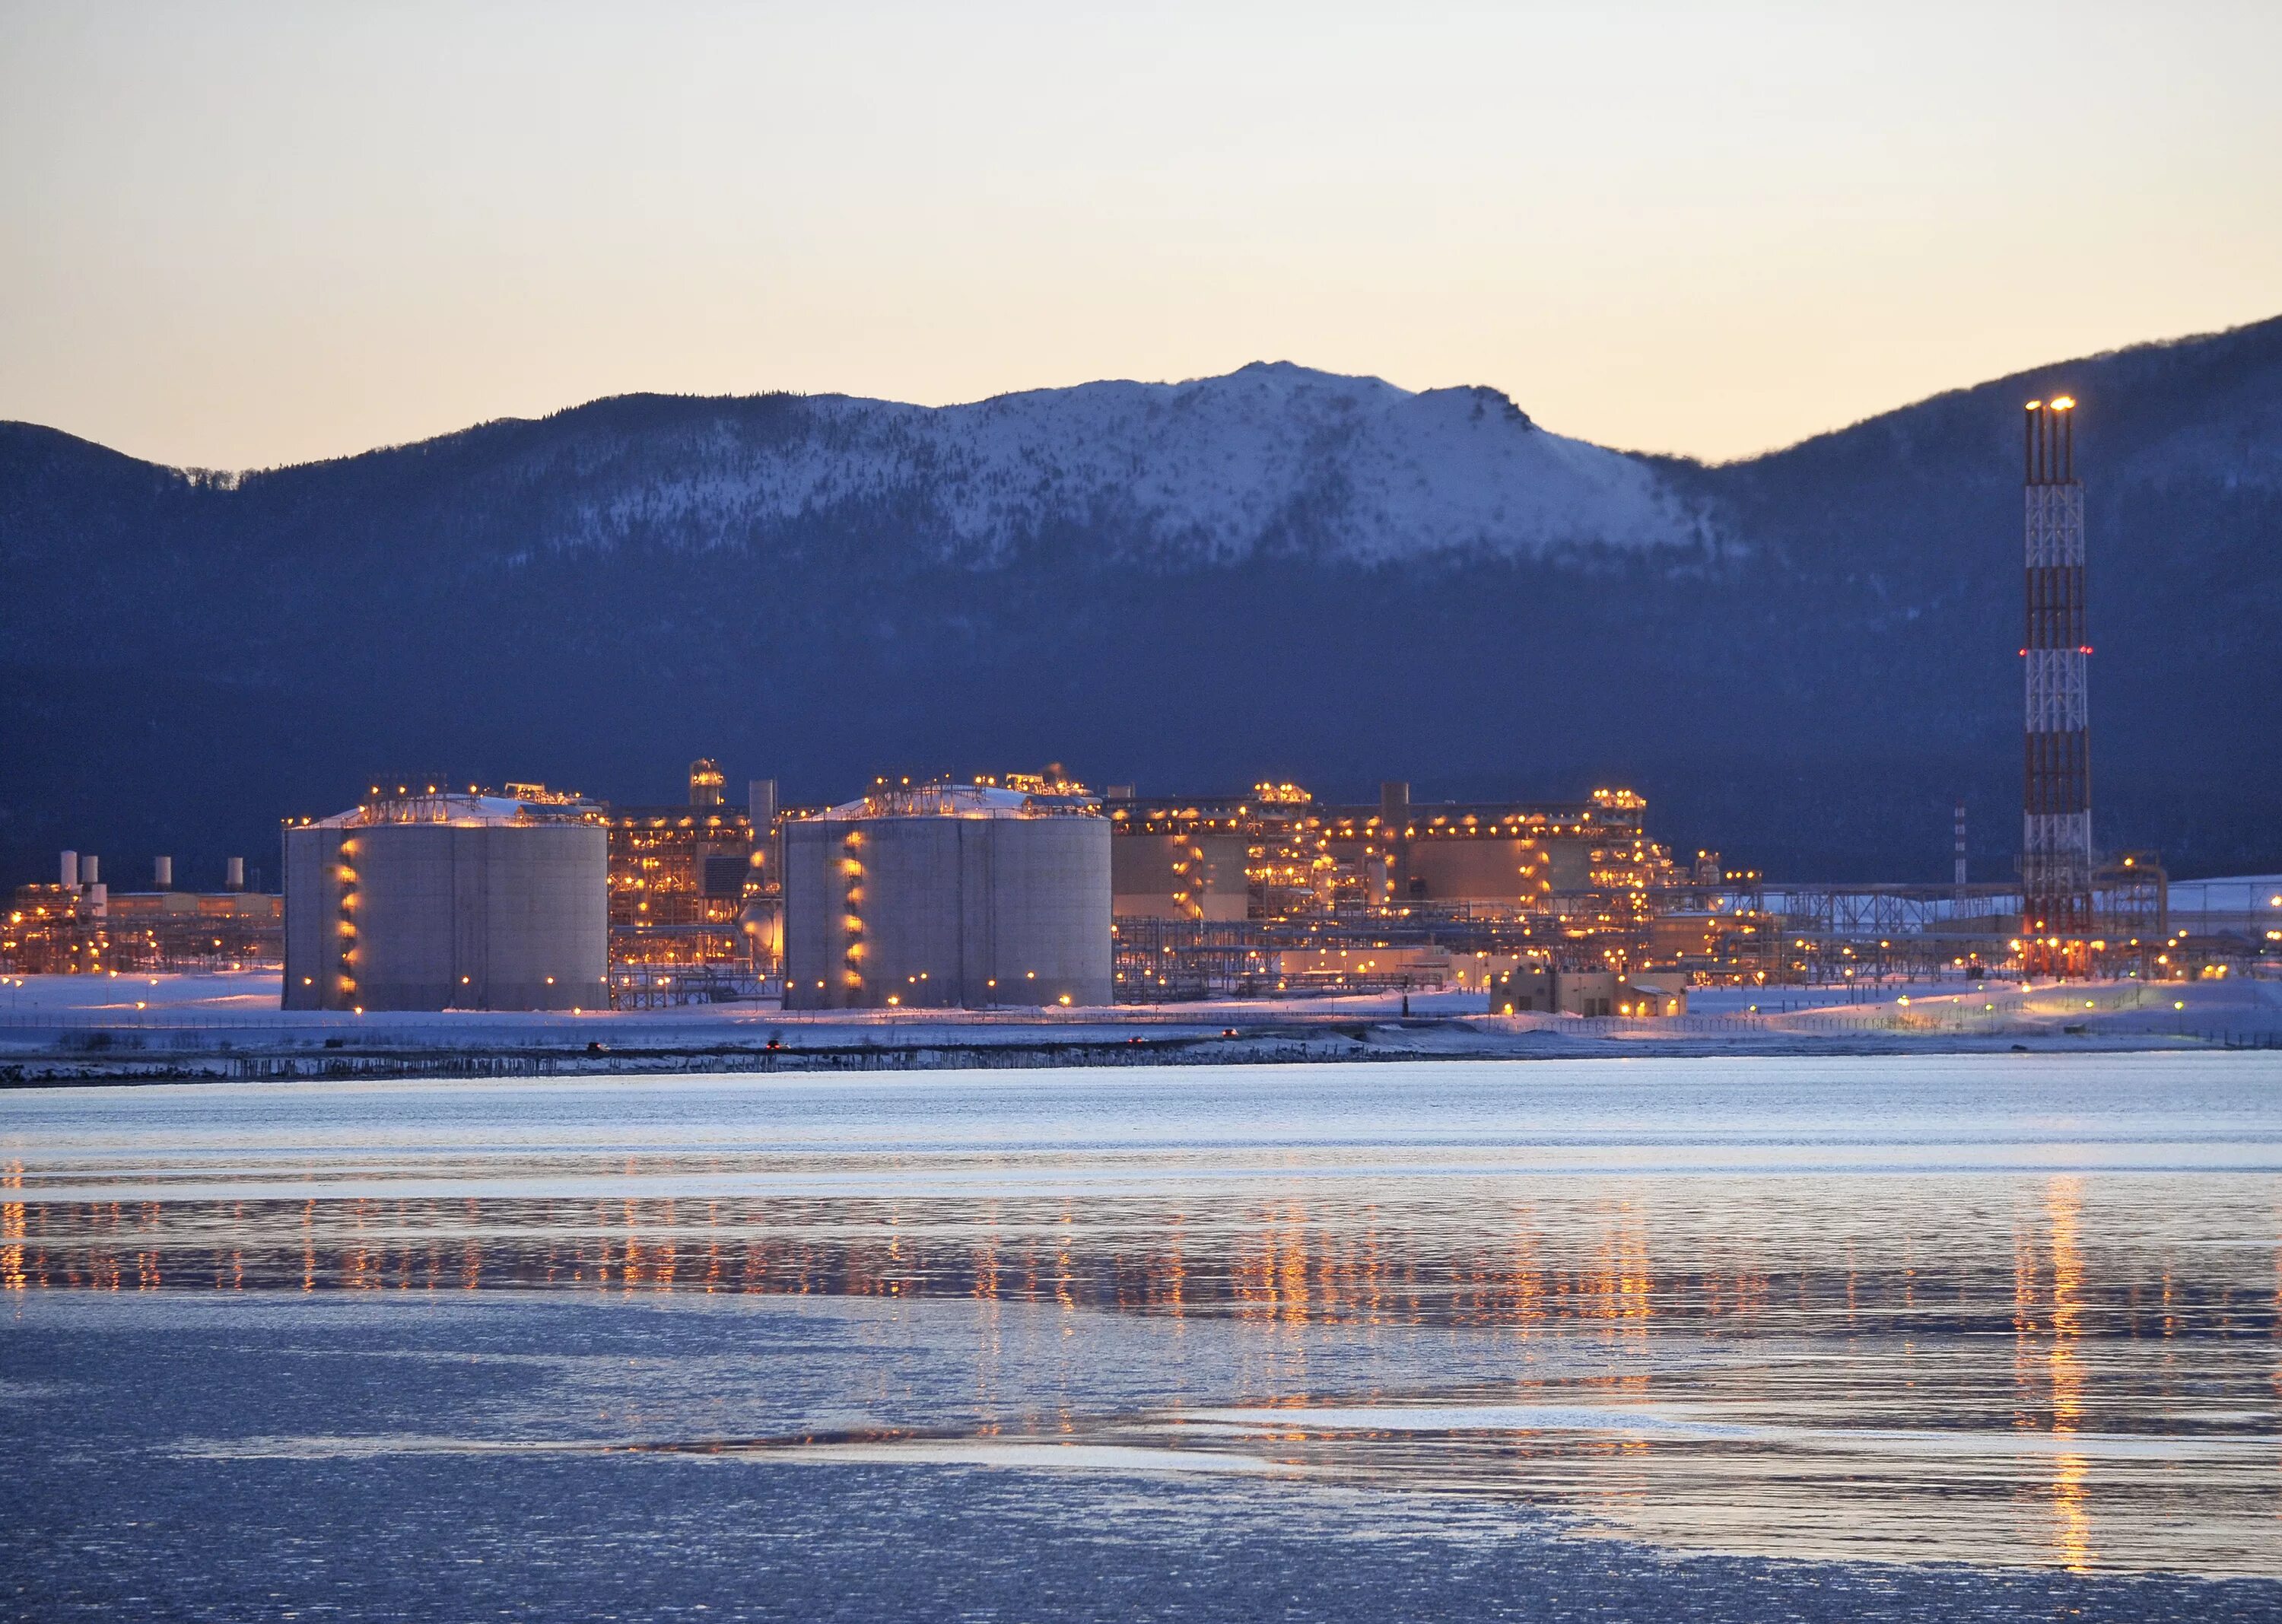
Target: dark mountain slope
1917,515
1799,658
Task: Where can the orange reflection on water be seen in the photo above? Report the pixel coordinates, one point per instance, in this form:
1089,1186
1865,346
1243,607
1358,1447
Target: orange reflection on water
1651,1305
2063,1206
1606,1261
1269,1274
2050,1376
11,1230
986,1257
1176,1269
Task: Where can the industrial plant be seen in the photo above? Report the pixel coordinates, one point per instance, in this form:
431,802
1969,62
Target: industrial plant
695,894
78,925
1275,893
1030,889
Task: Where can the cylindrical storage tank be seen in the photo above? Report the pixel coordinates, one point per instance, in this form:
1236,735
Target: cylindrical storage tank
90,869
946,898
470,910
162,873
233,873
70,871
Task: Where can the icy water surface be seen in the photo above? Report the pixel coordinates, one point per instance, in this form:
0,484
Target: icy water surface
1984,1336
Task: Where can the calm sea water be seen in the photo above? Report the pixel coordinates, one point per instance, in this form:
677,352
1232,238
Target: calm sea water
1940,1337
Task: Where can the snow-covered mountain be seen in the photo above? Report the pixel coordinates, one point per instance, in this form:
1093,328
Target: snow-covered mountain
1273,456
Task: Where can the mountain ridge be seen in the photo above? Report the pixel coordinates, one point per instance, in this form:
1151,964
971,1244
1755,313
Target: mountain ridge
1800,657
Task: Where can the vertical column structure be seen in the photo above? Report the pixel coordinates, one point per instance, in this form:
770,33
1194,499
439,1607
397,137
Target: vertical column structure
851,902
2056,807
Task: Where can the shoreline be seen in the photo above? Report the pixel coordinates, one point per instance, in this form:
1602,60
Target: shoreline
1342,1042
74,1031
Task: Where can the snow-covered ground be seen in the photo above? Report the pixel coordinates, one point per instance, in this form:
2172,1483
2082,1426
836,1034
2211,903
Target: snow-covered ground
45,1014
254,994
241,992
1788,1000
37,1012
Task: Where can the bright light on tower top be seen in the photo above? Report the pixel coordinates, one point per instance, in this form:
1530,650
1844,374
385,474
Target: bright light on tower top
2061,403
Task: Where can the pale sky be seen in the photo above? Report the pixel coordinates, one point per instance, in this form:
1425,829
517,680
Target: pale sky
242,236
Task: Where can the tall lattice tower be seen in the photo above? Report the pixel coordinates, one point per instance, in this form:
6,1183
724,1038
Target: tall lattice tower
2056,822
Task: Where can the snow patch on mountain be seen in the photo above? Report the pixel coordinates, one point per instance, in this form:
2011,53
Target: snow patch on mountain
1271,456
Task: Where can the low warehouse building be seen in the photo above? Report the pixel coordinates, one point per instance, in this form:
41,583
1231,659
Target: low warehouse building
1536,987
949,897
430,901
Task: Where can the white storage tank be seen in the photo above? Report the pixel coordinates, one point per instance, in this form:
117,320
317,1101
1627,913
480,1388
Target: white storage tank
431,902
949,897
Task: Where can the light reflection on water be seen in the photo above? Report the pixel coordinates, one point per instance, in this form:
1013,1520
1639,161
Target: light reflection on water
1960,1311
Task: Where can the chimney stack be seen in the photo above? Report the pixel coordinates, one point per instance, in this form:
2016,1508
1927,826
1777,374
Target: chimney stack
233,874
162,873
71,871
2056,805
